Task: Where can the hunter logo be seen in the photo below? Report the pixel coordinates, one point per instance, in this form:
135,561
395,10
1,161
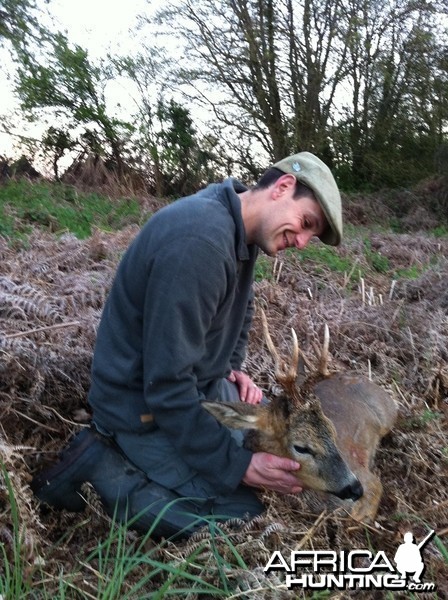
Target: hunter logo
355,569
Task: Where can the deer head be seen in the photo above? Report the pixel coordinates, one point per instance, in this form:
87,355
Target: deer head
293,425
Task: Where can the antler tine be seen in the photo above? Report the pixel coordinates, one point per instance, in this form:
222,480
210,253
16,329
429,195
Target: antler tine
323,363
285,376
270,344
294,357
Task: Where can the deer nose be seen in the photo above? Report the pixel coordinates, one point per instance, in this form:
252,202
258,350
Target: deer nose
353,491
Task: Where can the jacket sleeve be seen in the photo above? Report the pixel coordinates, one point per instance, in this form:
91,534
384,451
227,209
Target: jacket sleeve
189,286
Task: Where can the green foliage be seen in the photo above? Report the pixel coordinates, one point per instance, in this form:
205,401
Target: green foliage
321,258
263,268
265,94
393,129
326,256
68,85
181,161
60,208
19,22
58,141
376,260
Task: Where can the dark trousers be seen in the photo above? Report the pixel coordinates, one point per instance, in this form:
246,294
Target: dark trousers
189,499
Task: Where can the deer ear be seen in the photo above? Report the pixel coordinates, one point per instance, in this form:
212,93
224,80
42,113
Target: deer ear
236,415
284,404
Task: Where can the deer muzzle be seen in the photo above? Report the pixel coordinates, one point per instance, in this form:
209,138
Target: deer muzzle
352,491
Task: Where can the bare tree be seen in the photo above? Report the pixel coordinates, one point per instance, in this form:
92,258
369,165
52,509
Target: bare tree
342,78
277,65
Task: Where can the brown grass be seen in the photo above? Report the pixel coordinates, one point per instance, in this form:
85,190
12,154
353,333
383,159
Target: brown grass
51,296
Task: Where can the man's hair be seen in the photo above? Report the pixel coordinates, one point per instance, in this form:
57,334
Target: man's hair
272,174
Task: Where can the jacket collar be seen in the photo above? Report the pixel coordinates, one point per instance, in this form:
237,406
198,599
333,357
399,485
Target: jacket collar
232,187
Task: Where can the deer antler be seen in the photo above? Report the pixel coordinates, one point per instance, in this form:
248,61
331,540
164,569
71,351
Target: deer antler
270,345
286,376
323,362
294,357
322,353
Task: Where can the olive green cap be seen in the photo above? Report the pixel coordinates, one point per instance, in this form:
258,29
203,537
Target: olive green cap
312,172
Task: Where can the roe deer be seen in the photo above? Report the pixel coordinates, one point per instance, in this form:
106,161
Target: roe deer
330,423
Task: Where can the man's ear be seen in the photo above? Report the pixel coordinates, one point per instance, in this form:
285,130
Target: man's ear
283,184
237,415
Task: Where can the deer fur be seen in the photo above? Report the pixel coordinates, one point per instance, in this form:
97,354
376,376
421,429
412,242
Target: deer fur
331,423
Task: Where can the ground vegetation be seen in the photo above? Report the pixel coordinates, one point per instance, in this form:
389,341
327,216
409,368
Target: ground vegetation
383,294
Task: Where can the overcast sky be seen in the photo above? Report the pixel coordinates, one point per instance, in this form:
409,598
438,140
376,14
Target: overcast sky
99,25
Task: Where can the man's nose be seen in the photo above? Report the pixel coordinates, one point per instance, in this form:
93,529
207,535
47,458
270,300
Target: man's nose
302,239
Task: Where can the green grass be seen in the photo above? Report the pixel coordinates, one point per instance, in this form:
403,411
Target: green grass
325,258
318,255
321,256
421,421
125,570
412,272
376,260
263,268
117,568
58,208
122,568
440,231
14,584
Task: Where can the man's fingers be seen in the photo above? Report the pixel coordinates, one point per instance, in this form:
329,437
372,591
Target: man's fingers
249,392
254,394
280,462
274,473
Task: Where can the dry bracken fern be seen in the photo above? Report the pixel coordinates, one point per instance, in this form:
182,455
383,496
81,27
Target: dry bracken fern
51,296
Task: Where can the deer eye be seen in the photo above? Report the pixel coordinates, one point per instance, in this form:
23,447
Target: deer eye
303,450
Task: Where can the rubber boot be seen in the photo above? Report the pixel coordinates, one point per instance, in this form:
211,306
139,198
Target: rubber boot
60,485
125,491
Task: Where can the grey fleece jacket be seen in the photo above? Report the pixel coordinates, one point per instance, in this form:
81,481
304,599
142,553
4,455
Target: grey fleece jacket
175,323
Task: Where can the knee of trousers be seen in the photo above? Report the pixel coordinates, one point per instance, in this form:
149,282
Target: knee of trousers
155,510
162,513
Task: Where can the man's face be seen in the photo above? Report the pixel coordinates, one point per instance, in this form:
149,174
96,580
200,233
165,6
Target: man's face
289,223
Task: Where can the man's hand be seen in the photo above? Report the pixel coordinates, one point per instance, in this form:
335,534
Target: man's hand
273,473
249,392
